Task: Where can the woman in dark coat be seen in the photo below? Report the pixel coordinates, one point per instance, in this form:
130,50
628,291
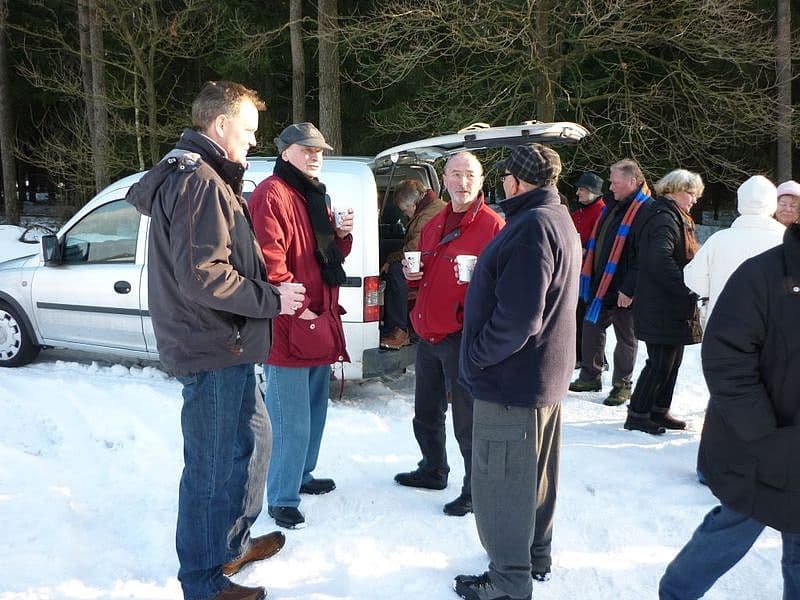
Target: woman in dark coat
751,436
664,310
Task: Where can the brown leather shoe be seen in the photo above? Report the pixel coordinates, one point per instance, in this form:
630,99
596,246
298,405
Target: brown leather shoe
260,548
240,592
395,339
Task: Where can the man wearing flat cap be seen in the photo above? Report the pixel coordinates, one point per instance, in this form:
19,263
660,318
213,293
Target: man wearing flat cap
589,191
302,243
517,354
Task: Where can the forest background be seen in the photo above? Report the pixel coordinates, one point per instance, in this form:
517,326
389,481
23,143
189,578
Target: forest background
91,90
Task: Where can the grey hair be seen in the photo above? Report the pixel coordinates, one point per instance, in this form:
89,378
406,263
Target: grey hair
466,154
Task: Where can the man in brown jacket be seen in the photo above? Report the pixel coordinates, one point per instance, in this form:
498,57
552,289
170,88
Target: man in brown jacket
420,205
211,309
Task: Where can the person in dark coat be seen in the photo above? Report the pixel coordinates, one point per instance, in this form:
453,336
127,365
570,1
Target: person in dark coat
751,436
517,354
665,314
608,283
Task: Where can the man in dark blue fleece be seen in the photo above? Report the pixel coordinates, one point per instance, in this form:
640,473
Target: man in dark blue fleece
517,354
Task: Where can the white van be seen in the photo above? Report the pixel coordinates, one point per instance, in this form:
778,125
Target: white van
95,297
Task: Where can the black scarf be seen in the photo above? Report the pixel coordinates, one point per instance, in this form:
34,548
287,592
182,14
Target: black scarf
329,257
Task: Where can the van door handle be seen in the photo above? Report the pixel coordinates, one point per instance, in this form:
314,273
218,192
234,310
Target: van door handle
122,287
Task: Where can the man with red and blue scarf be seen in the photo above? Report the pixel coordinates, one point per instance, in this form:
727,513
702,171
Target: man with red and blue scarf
608,281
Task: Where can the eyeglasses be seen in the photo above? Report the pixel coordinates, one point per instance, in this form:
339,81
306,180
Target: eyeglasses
504,175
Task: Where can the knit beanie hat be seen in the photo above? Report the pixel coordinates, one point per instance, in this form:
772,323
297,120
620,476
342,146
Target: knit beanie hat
789,188
757,196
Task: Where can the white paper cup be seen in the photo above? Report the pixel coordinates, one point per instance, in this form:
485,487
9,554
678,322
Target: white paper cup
338,216
466,264
412,260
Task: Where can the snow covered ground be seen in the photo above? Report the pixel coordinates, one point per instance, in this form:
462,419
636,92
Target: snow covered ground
90,458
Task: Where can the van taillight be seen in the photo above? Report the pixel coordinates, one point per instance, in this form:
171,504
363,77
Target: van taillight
372,310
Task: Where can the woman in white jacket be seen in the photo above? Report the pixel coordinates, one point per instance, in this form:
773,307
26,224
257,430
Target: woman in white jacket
750,234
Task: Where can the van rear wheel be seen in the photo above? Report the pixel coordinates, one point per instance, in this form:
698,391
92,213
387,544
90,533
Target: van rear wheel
16,346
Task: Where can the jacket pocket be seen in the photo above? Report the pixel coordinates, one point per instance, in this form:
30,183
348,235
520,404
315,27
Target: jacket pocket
312,338
735,484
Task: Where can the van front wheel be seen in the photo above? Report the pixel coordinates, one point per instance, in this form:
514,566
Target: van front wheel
16,346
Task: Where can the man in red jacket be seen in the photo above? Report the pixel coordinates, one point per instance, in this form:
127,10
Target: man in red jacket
589,190
301,243
464,226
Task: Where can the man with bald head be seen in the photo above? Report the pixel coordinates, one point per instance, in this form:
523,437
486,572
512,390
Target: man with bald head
464,226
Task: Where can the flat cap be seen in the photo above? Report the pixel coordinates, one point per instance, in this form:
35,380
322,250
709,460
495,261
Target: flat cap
304,134
533,163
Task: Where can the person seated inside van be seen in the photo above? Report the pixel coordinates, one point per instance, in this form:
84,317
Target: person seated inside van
419,204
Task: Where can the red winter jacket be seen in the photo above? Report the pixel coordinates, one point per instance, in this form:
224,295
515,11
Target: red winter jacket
439,309
284,233
585,217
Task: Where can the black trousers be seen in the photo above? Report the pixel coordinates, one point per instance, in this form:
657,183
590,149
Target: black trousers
656,383
395,298
437,383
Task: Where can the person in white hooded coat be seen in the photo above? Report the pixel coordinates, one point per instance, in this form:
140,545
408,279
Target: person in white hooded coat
752,233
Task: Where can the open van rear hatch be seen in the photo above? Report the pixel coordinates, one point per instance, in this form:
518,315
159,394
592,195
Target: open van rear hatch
479,137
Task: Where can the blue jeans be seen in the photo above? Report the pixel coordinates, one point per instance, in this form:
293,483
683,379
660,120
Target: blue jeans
297,402
722,539
225,454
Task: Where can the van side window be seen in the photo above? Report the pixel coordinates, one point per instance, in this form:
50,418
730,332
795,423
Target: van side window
107,234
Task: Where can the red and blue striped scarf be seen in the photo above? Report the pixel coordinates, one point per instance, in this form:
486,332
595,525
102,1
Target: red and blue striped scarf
593,311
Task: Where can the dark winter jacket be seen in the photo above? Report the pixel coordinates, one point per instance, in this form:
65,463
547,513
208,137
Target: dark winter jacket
664,309
585,216
751,359
625,275
518,344
207,294
439,309
284,232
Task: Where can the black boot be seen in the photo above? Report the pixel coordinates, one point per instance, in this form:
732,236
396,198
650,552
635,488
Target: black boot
422,479
642,422
459,507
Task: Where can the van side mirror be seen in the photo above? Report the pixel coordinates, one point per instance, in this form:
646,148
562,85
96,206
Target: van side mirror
51,250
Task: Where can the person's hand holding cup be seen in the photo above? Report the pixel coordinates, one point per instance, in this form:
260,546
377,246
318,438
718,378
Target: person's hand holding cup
343,221
412,265
292,296
465,264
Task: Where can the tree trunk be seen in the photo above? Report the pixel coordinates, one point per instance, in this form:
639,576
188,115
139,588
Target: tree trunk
330,110
137,120
13,200
543,44
152,117
298,61
783,63
86,64
151,98
100,143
